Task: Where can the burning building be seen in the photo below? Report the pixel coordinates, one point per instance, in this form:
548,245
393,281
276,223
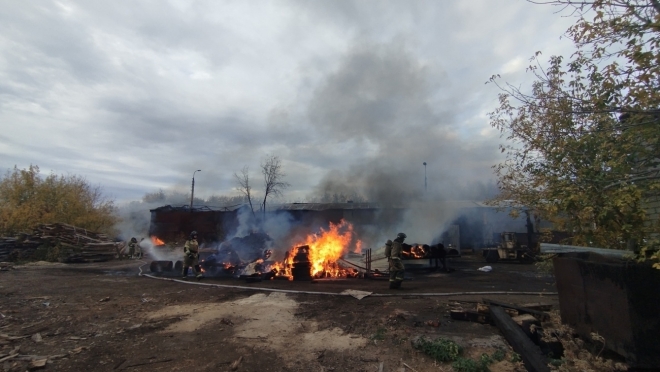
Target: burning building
463,224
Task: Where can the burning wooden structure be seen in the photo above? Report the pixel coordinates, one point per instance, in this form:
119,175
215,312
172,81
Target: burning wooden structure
318,255
474,224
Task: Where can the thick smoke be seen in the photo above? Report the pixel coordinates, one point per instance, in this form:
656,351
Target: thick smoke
400,107
383,99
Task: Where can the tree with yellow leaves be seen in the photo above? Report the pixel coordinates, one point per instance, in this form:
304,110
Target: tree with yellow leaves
27,199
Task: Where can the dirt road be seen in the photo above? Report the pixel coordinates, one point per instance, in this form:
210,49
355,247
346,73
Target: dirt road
104,317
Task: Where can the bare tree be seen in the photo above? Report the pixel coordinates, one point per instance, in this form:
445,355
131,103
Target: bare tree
271,168
244,185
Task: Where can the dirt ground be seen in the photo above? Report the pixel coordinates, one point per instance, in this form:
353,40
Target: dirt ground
105,317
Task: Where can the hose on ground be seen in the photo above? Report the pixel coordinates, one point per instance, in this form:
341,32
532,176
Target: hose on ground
264,289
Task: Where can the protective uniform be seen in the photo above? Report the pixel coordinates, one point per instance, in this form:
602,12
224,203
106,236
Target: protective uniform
191,255
388,249
131,247
397,270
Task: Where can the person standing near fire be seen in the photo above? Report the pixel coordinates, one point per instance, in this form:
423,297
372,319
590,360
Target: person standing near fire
388,250
131,248
191,256
397,270
438,254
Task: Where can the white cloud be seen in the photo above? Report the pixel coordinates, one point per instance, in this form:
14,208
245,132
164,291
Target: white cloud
514,65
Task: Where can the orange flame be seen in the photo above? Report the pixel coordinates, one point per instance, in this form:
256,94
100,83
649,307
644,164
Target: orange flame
358,247
157,241
325,249
416,251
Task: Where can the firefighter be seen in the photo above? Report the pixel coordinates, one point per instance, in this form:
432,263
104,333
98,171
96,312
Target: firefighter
139,249
438,254
388,250
131,247
397,270
191,256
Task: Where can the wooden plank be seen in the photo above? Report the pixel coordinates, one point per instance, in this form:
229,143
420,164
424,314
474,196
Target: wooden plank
540,315
471,316
531,354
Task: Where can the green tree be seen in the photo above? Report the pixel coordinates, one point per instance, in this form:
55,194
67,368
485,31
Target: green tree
27,199
583,144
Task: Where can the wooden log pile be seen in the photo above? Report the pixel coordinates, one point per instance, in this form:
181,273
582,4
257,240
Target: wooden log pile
75,244
68,234
92,252
14,248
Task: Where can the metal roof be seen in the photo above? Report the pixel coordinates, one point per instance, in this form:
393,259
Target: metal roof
198,208
448,204
324,206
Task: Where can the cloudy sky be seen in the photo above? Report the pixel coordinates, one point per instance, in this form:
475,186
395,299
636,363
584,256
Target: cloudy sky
350,95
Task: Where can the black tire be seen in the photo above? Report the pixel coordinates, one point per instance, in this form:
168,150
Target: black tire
492,256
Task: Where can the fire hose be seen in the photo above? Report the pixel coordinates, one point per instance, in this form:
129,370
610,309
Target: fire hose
265,289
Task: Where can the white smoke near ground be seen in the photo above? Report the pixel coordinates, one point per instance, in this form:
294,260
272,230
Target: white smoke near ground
279,227
135,218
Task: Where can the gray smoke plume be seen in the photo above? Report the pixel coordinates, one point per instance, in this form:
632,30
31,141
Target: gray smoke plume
401,108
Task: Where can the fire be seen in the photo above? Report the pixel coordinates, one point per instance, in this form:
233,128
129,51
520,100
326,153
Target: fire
358,247
324,249
416,251
156,241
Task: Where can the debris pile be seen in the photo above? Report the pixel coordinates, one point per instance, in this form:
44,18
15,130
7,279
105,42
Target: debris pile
522,328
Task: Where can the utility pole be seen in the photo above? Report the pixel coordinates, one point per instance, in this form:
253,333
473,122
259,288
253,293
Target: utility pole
192,191
424,176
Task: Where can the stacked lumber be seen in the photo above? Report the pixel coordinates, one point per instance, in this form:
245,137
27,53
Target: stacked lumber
68,234
76,244
92,252
12,248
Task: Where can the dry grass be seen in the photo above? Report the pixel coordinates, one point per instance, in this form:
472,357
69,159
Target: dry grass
577,354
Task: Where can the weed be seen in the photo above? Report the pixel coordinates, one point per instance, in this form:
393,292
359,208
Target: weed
499,355
440,349
515,358
379,335
556,362
544,263
471,365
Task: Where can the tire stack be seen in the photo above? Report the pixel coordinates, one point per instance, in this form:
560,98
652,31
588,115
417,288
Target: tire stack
161,266
301,269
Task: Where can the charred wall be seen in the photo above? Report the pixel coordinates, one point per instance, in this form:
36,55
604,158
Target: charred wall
174,224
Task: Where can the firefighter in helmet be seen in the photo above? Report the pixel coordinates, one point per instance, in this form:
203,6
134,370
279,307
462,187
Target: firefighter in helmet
132,245
397,270
191,256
